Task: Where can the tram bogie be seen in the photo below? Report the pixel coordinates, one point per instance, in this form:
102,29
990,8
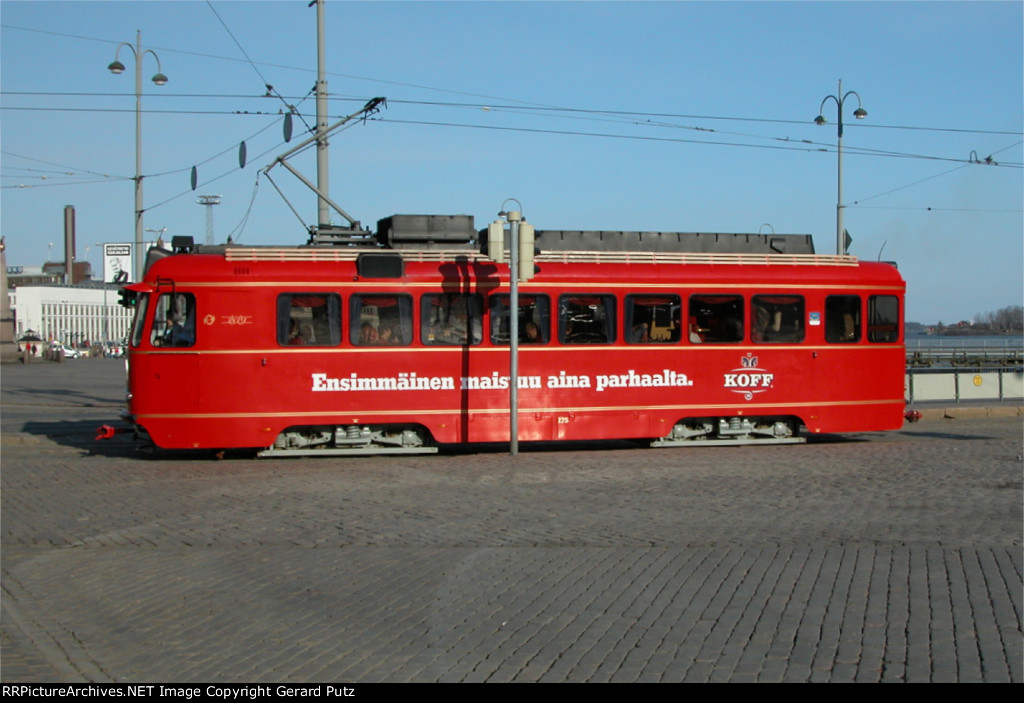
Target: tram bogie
350,440
732,431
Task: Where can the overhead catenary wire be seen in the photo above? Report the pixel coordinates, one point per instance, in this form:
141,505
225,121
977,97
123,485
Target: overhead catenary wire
628,117
514,106
987,162
266,83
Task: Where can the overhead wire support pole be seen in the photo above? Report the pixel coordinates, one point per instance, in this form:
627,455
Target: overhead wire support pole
322,168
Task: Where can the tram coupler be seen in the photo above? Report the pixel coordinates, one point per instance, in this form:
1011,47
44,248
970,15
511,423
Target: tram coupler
912,415
107,432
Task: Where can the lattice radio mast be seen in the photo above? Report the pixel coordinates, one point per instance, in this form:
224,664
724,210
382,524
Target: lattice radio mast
209,201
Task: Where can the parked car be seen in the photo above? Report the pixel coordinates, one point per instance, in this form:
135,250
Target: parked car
69,353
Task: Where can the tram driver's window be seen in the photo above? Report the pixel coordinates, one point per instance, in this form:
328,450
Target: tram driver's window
139,322
309,319
380,320
534,319
586,319
842,319
776,319
451,318
883,318
715,319
174,321
653,319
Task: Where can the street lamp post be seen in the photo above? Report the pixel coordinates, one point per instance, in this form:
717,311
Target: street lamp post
860,113
159,79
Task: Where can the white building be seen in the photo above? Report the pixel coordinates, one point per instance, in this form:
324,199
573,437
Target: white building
71,314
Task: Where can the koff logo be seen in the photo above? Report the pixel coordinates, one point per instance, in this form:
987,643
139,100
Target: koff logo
746,380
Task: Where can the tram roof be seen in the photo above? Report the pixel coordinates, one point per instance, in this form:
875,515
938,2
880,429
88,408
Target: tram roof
453,238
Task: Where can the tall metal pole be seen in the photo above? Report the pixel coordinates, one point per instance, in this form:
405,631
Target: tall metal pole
513,333
138,156
159,78
860,113
323,210
840,230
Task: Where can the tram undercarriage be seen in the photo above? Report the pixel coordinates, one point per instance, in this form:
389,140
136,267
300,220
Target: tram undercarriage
732,431
350,440
363,440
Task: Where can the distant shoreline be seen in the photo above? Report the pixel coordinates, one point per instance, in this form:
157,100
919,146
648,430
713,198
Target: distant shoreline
966,332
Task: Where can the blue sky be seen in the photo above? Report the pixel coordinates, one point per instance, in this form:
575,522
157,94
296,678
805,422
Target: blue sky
671,116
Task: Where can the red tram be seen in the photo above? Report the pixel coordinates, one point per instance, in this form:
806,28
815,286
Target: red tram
364,349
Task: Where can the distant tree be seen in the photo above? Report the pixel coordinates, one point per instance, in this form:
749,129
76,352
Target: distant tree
1004,321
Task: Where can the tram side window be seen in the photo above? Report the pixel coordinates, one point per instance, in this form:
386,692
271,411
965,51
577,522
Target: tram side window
309,319
777,319
842,319
380,320
174,320
142,303
653,319
586,319
715,319
534,319
883,318
451,318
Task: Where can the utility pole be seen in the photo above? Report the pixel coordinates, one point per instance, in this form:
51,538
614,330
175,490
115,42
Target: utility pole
322,185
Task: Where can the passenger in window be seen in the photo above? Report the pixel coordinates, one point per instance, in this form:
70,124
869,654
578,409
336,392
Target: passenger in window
387,335
531,333
306,334
695,332
368,334
849,328
455,329
294,339
639,334
762,321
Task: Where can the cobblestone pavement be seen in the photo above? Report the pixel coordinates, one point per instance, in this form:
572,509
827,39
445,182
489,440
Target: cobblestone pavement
873,557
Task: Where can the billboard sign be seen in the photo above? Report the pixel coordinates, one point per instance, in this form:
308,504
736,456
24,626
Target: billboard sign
117,262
